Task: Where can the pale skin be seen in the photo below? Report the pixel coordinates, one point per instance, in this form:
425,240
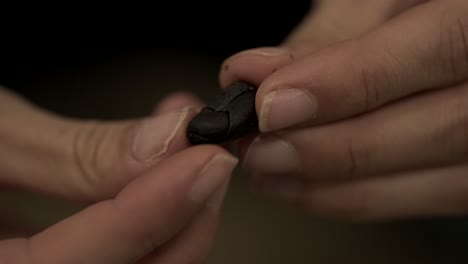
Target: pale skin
143,206
363,110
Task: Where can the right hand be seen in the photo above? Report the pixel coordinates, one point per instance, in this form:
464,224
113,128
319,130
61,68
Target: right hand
331,141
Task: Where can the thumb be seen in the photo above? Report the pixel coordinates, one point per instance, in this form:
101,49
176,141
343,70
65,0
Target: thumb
84,160
147,219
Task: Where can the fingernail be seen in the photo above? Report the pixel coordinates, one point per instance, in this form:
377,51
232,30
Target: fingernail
286,107
266,51
217,199
155,134
281,188
270,154
211,178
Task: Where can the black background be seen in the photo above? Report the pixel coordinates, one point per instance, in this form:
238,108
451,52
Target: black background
35,40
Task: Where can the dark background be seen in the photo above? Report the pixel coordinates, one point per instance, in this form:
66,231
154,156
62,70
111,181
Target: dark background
42,40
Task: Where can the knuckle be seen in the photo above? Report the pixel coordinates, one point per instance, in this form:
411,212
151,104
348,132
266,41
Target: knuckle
370,91
379,82
358,157
86,147
453,42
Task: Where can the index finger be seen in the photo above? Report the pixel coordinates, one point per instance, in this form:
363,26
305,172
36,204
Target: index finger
424,48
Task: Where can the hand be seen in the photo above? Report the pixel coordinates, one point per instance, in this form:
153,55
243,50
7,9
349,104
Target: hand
367,121
151,198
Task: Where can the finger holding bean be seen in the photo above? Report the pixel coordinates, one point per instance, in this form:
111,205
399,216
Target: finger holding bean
372,127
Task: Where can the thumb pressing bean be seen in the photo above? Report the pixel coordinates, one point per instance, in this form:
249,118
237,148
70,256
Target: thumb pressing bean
229,116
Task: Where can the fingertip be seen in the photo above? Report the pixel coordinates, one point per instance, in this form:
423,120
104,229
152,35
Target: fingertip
209,150
177,100
159,136
253,65
297,93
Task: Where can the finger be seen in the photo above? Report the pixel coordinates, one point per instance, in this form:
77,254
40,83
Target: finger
195,242
176,101
254,65
439,192
85,160
424,48
398,137
328,23
145,215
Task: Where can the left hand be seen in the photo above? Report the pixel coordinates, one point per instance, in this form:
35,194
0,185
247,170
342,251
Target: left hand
151,197
353,124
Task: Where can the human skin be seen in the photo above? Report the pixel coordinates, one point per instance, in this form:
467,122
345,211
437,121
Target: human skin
363,111
142,206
